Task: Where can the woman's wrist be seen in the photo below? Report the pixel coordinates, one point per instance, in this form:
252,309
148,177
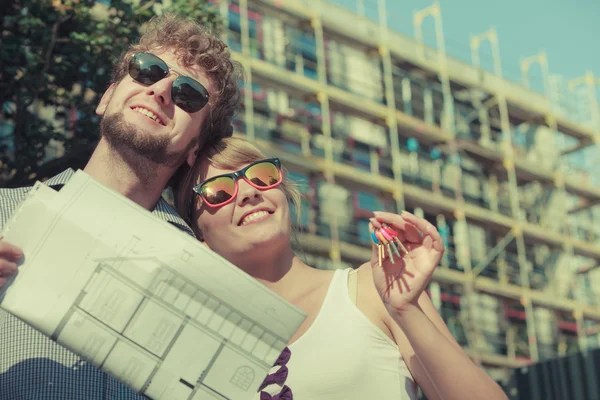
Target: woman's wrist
405,313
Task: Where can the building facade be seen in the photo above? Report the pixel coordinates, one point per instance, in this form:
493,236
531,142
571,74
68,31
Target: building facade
367,119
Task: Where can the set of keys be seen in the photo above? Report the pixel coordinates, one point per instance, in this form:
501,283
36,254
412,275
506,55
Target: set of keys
387,240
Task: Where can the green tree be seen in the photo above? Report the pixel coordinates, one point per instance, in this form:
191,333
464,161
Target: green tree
56,60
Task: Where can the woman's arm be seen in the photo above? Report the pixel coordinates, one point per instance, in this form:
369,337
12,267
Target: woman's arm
436,319
449,373
441,368
371,303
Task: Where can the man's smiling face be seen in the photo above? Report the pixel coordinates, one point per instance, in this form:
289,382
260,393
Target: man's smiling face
144,118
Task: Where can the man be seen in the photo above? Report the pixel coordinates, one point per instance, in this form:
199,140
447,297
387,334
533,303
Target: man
171,93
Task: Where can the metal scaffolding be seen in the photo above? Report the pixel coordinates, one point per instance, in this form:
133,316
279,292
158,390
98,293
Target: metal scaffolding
464,117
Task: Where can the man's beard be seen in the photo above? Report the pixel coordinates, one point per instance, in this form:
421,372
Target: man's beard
129,140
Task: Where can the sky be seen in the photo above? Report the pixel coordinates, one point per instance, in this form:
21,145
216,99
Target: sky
568,30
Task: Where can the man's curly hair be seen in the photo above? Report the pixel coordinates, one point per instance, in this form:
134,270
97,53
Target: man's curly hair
195,46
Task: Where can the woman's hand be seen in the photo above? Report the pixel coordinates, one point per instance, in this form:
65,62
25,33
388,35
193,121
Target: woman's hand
401,283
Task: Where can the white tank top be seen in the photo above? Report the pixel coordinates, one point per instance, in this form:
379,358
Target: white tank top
344,356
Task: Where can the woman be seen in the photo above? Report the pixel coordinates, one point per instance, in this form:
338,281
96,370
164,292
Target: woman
367,342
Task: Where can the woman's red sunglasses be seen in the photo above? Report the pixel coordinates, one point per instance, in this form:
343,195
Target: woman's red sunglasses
222,189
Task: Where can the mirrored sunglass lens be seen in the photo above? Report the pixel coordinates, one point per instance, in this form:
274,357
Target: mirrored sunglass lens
263,174
146,68
218,190
189,94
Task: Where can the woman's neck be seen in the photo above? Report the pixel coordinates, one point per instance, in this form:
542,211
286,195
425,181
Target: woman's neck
281,271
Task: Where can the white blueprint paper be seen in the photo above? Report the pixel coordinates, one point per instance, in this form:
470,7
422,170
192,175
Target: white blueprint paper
143,301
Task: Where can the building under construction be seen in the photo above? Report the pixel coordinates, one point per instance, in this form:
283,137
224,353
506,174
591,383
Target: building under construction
368,119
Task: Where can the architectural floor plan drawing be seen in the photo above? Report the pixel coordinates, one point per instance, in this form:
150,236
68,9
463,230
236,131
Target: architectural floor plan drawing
141,300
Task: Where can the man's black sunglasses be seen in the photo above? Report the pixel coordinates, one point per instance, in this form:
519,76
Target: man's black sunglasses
187,93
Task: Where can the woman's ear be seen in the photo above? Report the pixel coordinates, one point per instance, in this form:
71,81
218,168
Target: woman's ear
201,239
199,235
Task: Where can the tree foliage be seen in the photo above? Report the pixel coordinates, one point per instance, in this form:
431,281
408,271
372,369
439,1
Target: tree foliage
55,64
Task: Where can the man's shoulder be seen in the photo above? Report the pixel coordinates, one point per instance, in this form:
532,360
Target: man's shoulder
164,210
12,193
10,199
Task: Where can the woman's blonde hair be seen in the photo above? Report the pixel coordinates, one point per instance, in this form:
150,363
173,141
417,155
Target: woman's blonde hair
228,153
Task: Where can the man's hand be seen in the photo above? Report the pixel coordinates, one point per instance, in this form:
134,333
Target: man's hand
9,255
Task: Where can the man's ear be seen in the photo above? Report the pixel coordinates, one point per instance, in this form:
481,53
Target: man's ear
193,155
105,100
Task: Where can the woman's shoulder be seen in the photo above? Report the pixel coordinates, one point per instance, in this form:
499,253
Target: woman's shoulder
366,291
313,280
320,274
365,274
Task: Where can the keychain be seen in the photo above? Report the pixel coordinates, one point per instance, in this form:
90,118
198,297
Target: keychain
394,236
387,241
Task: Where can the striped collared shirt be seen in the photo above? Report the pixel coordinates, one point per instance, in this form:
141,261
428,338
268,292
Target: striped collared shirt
32,366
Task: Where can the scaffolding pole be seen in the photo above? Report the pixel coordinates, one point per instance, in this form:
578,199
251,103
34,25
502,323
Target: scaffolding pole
492,37
495,252
435,12
323,98
449,125
542,59
469,285
526,301
590,81
224,11
392,114
247,64
581,334
509,164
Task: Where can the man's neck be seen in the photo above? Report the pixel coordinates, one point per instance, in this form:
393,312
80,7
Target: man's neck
135,178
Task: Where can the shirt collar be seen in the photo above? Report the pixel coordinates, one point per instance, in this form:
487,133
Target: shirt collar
162,210
60,179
